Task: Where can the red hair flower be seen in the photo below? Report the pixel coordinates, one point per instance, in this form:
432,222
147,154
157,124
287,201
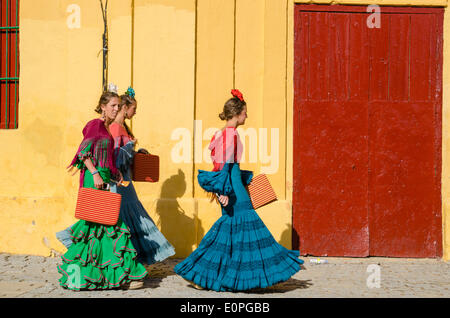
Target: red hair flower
238,94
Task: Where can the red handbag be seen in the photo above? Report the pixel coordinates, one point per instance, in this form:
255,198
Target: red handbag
98,206
260,191
145,168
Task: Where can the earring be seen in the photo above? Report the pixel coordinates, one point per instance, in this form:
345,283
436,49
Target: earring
103,115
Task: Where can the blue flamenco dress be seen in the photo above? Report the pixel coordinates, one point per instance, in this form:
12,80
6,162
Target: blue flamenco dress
238,253
150,243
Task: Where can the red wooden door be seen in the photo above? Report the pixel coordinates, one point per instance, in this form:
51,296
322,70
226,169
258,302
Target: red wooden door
367,129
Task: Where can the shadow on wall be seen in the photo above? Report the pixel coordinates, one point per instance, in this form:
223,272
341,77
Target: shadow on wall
185,231
180,229
295,240
286,237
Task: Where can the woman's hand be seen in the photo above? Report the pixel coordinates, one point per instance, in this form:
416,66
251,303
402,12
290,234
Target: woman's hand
223,199
98,181
120,177
143,151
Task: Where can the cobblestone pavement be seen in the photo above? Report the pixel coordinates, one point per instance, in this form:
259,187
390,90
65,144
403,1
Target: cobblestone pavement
36,276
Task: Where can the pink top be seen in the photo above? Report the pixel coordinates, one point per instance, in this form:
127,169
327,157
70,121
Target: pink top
119,134
225,147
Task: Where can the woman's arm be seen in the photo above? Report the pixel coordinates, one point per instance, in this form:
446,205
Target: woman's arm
98,181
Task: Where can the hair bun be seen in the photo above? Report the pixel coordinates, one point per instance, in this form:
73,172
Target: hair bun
222,116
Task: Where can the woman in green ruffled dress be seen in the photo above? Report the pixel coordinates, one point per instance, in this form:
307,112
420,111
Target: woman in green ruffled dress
101,256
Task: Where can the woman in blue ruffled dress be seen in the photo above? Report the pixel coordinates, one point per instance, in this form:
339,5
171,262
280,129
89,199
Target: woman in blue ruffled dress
150,243
238,253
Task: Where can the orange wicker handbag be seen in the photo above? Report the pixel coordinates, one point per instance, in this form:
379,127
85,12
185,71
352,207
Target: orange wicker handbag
98,206
146,168
260,191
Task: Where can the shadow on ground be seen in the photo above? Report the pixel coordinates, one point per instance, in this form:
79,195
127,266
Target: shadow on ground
284,287
159,271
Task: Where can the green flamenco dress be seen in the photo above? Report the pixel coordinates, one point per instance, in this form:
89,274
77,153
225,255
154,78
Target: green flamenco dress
100,257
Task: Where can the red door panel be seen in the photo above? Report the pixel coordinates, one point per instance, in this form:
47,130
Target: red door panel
358,47
398,44
401,179
338,56
332,176
379,61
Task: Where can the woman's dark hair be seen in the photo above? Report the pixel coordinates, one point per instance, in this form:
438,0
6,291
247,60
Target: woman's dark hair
126,99
104,99
233,106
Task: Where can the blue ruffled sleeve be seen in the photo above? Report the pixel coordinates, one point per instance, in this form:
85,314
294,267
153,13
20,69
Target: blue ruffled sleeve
216,181
124,156
220,181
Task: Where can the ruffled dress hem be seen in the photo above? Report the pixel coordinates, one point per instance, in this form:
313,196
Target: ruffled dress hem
238,253
101,257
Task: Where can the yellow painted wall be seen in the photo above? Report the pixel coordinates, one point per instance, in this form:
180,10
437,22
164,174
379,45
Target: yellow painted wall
164,60
58,90
183,64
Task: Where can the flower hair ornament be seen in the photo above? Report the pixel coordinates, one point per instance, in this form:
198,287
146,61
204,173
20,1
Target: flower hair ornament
238,94
112,88
130,92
